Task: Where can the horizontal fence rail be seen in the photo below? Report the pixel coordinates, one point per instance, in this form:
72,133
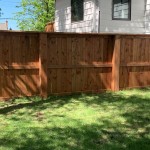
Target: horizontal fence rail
34,63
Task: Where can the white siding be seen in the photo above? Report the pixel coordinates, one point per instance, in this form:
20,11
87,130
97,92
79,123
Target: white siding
63,17
139,23
135,25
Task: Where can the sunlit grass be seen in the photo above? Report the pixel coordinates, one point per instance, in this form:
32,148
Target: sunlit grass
106,121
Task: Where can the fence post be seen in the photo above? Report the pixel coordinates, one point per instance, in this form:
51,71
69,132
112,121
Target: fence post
116,63
43,64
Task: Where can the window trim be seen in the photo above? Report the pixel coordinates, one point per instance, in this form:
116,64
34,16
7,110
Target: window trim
122,19
73,21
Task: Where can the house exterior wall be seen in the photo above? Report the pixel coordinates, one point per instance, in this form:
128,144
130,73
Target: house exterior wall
63,17
137,24
4,26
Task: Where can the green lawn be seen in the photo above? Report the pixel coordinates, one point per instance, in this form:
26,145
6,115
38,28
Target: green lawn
108,121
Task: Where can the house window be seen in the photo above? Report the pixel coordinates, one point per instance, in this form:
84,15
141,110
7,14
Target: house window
77,7
121,10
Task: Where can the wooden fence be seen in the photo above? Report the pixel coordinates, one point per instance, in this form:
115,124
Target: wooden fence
50,27
33,63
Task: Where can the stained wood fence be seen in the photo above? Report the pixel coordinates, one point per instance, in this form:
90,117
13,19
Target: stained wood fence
33,63
50,27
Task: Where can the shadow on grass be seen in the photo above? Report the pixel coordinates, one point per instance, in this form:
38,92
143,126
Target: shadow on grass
134,134
89,137
54,100
59,101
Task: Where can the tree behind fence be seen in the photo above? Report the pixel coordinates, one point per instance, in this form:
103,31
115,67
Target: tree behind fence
33,63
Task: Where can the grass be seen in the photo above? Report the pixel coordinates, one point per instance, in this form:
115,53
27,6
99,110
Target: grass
109,121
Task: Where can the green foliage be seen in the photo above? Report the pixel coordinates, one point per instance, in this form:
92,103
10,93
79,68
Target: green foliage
109,121
35,14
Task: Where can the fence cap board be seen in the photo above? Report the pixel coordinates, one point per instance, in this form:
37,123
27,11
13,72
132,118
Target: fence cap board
74,33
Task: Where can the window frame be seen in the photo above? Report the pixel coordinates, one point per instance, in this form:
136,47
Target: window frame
123,19
72,20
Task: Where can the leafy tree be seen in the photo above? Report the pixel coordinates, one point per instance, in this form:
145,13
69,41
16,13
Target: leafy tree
35,14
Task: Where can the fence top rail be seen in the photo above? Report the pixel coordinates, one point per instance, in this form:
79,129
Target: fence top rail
73,33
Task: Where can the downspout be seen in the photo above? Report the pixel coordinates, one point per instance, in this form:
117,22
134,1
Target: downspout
99,16
96,16
145,17
99,21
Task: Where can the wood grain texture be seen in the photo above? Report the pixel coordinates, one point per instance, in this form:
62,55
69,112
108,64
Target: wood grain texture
19,64
135,62
43,64
33,63
116,63
79,63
